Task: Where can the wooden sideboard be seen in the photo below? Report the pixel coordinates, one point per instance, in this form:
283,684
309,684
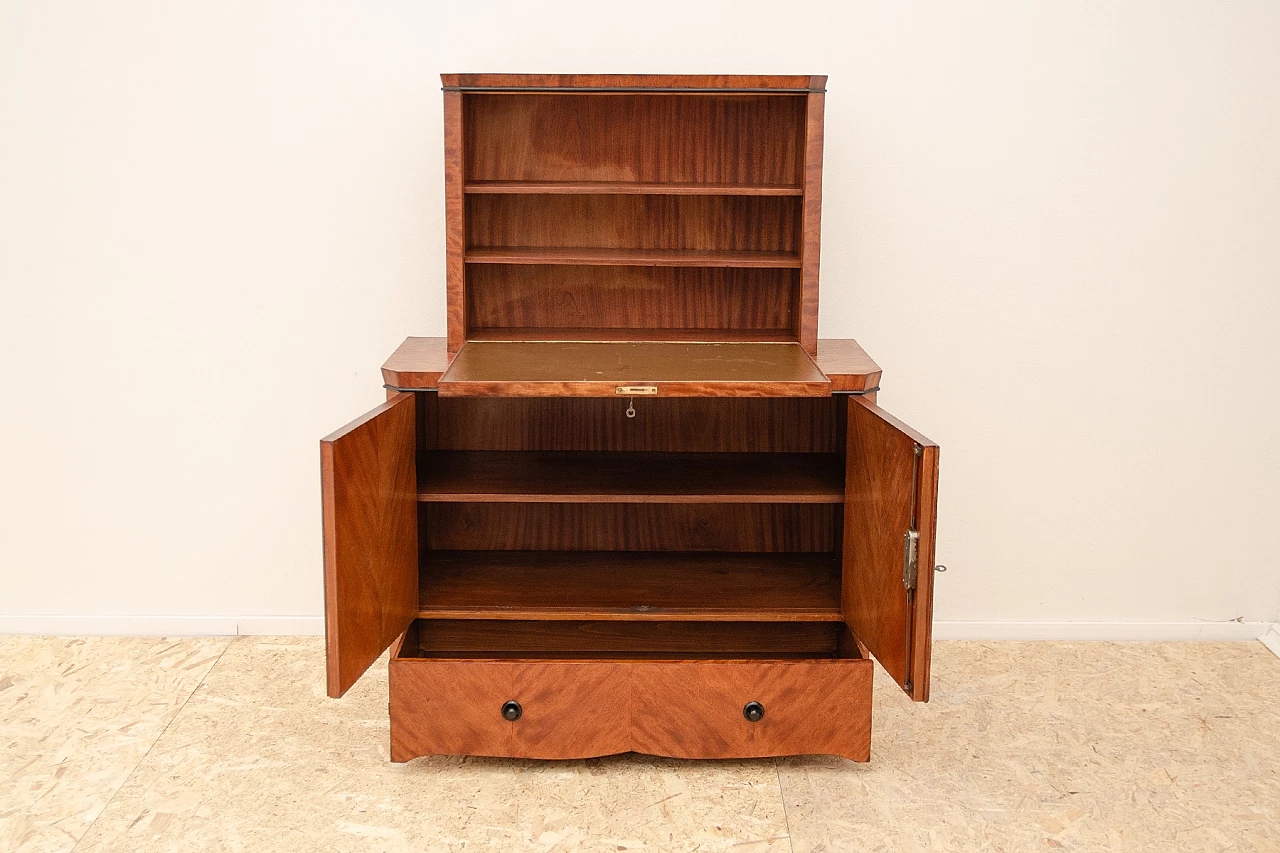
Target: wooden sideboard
631,502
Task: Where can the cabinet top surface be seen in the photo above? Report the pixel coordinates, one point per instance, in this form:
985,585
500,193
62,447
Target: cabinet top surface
687,82
420,363
600,368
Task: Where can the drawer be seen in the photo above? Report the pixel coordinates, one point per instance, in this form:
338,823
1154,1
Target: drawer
589,689
698,709
567,709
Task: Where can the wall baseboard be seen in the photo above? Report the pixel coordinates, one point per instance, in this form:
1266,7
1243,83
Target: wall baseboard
163,626
1105,631
230,626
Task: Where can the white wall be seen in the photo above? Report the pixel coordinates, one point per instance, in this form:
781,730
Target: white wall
1056,225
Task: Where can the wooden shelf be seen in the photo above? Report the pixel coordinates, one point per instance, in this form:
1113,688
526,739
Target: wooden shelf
548,477
622,188
630,586
633,257
586,640
565,334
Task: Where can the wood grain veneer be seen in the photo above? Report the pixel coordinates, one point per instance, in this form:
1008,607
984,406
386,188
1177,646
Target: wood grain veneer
661,424
728,82
694,709
887,488
723,226
627,257
575,477
624,188
630,334
736,139
597,369
419,361
416,363
632,640
847,365
811,226
581,709
454,222
629,527
583,706
527,585
368,486
595,706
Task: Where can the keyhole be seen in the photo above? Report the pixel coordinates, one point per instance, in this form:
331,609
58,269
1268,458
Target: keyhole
631,407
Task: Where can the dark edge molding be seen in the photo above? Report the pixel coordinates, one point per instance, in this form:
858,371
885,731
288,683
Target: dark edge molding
689,90
433,390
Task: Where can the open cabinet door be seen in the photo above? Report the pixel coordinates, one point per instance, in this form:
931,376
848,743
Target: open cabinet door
368,474
890,512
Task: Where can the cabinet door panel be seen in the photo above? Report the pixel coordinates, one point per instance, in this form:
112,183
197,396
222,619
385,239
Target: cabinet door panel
369,485
891,489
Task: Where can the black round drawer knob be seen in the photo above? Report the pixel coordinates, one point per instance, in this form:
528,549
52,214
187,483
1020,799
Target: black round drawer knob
511,710
753,711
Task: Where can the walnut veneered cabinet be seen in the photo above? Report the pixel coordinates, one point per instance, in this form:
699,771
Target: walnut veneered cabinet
631,502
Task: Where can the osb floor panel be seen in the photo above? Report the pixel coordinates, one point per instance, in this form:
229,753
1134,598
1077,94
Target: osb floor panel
1025,746
76,717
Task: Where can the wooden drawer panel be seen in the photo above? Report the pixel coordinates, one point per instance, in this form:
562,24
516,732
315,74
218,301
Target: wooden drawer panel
583,708
570,709
449,708
694,709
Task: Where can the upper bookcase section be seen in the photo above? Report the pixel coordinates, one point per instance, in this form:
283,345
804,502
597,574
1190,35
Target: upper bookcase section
633,207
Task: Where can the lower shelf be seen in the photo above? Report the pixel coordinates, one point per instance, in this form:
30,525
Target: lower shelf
630,585
566,690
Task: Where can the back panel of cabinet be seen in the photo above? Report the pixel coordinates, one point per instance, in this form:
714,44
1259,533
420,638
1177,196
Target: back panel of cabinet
632,216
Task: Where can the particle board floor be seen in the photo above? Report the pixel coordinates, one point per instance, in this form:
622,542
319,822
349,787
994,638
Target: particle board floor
125,744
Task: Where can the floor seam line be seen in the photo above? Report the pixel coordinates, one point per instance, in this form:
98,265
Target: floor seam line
152,746
782,798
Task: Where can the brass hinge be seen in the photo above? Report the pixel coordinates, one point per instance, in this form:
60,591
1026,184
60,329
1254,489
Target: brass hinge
910,558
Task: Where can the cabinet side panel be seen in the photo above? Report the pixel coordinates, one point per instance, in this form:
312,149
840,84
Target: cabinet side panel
454,226
811,226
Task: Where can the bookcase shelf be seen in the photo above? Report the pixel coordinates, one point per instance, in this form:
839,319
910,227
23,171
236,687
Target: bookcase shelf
632,333
624,188
633,257
630,586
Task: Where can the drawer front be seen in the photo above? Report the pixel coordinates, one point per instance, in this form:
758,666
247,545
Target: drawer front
579,709
695,709
569,709
449,708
